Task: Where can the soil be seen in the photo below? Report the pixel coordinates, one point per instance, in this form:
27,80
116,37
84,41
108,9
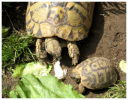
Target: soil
107,38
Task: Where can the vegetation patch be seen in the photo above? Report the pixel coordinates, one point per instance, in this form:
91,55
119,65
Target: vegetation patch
14,46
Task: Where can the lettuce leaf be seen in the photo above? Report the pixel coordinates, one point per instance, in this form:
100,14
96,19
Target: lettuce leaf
36,86
31,68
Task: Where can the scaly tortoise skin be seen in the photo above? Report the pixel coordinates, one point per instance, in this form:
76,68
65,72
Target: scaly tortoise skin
95,73
69,21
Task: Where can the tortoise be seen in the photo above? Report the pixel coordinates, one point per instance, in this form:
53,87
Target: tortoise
94,73
57,25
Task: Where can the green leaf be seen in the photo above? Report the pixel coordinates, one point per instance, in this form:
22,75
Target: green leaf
18,70
5,31
31,68
33,86
13,94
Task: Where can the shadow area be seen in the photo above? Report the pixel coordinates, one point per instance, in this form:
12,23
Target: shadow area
93,93
13,14
88,45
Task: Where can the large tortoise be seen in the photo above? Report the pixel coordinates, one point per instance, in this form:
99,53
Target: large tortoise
95,73
55,24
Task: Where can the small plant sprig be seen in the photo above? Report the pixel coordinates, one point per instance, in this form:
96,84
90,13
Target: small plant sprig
117,91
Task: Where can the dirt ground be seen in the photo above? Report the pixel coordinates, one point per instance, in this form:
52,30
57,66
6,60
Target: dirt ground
107,38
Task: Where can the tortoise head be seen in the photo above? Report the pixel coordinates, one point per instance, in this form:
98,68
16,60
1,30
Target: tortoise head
75,73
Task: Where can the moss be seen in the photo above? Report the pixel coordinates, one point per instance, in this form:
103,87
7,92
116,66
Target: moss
16,49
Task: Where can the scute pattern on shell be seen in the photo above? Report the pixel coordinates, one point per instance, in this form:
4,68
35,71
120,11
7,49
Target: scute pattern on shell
97,73
67,20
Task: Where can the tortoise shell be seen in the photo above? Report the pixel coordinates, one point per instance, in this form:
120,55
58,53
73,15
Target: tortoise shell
67,20
95,73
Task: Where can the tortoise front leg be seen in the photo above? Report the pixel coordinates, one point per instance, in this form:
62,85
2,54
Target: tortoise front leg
40,51
81,88
73,52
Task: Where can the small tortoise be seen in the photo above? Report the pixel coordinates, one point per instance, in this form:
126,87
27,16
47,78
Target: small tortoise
58,24
95,73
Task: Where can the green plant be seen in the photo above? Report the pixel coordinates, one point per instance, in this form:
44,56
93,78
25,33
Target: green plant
36,82
5,31
117,91
15,49
35,68
5,92
36,86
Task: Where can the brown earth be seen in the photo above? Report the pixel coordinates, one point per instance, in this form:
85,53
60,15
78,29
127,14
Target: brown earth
107,38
